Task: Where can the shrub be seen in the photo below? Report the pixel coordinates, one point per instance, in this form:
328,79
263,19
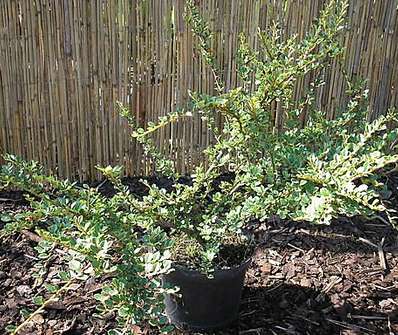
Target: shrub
314,172
105,236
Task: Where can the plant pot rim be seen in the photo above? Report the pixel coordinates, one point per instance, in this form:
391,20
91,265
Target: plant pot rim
216,274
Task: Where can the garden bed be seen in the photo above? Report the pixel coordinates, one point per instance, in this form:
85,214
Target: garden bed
305,279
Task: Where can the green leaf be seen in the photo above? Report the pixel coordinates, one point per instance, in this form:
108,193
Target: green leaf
6,218
100,297
25,312
10,328
51,288
114,332
38,300
167,329
75,265
65,276
124,311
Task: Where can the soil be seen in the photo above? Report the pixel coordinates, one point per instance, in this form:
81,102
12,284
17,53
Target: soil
304,279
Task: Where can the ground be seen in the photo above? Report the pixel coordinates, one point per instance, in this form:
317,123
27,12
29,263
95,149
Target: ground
304,279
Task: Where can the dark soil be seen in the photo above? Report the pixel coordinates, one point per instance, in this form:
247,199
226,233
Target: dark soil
304,279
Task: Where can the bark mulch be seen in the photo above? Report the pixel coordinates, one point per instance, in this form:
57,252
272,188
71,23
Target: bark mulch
304,279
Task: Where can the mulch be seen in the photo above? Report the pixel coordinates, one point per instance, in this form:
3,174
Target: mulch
304,279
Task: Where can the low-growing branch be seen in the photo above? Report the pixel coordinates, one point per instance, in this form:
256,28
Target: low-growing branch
53,297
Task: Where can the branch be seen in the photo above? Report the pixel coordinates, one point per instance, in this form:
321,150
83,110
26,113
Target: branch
43,306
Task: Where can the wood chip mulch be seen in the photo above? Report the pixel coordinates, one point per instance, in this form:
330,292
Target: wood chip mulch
304,279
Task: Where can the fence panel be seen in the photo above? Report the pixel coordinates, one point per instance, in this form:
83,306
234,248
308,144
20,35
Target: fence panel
64,64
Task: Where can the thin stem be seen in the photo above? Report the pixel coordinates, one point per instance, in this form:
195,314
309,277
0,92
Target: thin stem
43,306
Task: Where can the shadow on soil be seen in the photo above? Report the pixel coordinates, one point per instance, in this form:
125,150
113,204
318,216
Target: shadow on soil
342,236
292,309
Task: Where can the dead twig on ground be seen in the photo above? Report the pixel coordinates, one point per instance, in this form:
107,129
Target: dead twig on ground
380,252
350,326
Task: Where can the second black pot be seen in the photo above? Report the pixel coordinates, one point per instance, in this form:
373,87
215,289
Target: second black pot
205,303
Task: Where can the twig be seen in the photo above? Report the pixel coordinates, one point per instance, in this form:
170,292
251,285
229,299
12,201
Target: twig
247,313
305,319
382,256
381,219
372,272
287,330
349,326
364,317
364,240
250,300
274,288
10,200
101,184
389,325
31,257
388,289
378,225
297,248
43,306
334,282
248,331
380,251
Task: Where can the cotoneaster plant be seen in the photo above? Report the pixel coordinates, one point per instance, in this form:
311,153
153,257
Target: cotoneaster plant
104,237
314,172
276,166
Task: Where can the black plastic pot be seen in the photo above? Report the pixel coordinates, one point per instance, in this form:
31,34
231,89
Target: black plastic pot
204,303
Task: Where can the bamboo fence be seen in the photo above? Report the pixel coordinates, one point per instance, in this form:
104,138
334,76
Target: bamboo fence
64,64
